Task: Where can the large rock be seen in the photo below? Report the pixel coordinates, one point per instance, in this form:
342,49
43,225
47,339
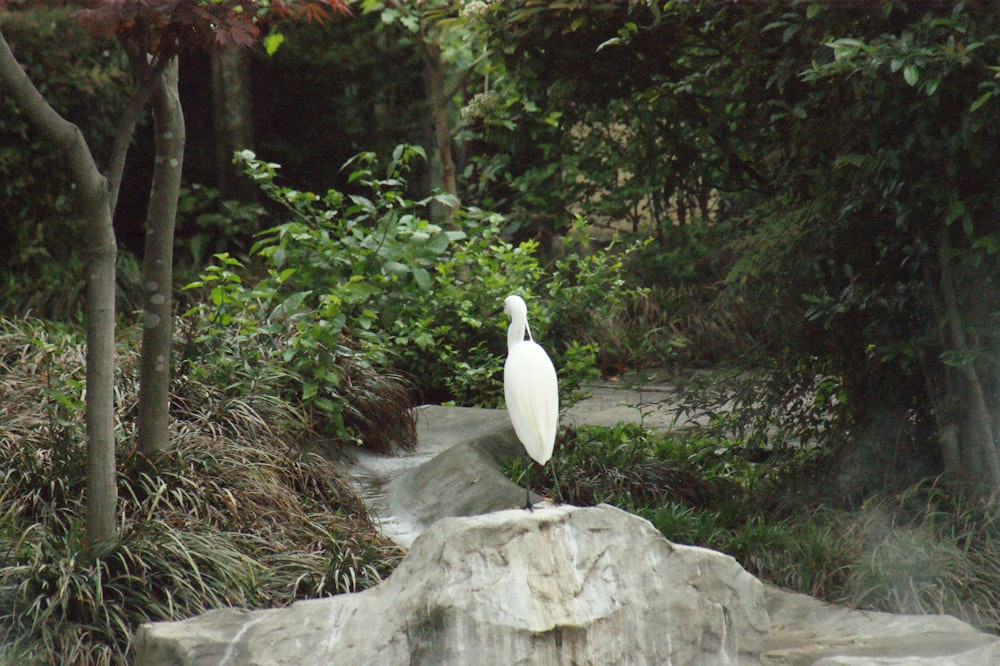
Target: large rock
560,585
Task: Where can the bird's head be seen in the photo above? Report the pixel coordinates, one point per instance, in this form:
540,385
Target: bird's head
515,306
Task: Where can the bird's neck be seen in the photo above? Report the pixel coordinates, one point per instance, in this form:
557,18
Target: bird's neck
515,333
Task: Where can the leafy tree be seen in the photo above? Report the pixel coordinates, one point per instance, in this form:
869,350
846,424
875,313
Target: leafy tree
855,143
152,35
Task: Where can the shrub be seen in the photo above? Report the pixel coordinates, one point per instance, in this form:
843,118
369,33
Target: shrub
371,273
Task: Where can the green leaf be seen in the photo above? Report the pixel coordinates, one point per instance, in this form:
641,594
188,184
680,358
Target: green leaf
293,303
446,199
956,209
989,243
278,257
846,47
363,203
273,42
423,278
324,405
911,74
849,159
614,41
438,243
309,390
982,99
396,267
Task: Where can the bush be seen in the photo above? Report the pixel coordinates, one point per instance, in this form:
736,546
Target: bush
368,275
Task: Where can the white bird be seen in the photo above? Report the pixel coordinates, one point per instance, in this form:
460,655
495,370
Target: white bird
531,390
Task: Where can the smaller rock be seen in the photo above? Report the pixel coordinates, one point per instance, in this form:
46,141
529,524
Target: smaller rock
560,585
810,632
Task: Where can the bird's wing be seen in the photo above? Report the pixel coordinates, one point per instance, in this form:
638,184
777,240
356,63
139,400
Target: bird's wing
532,393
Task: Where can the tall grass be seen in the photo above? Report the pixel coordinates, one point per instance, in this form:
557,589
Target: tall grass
237,514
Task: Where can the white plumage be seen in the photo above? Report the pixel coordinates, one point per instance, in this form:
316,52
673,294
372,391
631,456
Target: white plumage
530,386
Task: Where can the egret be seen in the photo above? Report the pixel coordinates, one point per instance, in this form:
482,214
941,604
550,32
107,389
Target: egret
531,390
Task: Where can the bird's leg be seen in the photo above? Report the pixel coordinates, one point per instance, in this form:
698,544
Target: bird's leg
555,480
527,487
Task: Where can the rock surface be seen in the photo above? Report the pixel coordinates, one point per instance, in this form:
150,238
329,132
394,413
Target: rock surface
809,632
560,585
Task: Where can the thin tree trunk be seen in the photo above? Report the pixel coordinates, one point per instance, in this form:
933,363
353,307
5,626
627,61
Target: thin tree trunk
102,487
101,252
981,446
434,82
154,373
145,77
232,119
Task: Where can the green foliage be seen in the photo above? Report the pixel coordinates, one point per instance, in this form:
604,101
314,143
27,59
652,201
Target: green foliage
251,332
312,122
369,269
696,489
57,291
235,515
889,212
584,125
209,225
926,550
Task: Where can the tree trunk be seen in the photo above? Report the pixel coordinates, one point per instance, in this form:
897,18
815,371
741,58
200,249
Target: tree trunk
154,373
979,448
232,119
101,252
102,488
434,83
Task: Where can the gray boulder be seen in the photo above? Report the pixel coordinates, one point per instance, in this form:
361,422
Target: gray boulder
560,585
809,632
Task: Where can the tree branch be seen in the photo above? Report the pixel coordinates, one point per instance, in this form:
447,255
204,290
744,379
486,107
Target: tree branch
145,74
64,134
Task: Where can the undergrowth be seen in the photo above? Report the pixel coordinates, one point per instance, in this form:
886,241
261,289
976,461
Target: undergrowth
925,550
237,514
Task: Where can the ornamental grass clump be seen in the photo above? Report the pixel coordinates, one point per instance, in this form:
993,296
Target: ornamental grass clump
236,514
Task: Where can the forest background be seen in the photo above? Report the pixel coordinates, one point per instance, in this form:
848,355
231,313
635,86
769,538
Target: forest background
802,199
